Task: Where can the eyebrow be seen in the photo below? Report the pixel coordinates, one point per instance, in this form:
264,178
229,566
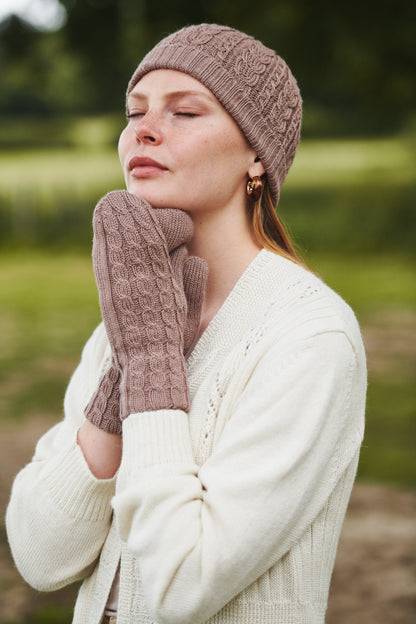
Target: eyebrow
173,95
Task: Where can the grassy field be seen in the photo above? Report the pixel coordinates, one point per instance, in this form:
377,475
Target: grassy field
48,308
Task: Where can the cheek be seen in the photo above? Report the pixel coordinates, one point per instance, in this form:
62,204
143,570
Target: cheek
224,157
122,145
226,144
204,154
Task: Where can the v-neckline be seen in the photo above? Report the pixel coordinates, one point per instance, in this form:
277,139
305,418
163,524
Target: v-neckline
240,290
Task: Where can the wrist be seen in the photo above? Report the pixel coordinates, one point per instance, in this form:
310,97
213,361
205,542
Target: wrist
102,450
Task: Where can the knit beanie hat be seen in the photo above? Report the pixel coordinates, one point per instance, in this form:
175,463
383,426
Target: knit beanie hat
253,84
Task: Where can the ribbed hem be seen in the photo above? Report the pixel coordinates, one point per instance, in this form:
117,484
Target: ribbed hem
270,613
157,438
74,488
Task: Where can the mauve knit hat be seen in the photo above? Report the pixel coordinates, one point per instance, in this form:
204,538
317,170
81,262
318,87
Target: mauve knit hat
251,81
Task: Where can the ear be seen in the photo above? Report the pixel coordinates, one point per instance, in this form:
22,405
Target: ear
256,168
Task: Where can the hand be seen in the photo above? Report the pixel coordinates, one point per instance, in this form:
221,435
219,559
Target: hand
126,233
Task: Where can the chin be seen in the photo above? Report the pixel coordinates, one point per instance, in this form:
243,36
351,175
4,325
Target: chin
154,197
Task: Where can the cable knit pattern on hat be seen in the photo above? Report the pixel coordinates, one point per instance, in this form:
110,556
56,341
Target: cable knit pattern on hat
251,81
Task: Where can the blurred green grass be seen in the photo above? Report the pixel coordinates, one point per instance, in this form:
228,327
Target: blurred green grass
48,307
370,283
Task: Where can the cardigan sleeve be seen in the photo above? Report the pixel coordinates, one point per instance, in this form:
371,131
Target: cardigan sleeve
59,514
203,534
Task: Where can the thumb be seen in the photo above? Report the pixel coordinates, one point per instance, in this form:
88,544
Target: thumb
176,226
195,274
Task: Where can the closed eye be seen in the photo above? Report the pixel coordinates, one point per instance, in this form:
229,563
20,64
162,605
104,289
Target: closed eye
134,115
183,114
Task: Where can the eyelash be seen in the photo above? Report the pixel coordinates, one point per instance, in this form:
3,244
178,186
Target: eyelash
179,114
131,115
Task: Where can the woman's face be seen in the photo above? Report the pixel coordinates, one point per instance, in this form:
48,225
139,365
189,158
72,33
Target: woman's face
180,148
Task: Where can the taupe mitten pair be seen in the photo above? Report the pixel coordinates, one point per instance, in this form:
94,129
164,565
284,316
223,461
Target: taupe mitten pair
151,295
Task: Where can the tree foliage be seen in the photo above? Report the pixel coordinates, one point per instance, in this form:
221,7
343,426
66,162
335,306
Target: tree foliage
354,61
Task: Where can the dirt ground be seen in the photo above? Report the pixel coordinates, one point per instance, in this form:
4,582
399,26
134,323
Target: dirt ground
374,580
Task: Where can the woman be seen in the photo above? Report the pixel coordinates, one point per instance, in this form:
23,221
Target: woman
212,429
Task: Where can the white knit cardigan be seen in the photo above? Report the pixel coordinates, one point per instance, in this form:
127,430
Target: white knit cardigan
230,514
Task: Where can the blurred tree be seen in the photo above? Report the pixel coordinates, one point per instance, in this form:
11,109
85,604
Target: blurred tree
355,62
38,74
112,36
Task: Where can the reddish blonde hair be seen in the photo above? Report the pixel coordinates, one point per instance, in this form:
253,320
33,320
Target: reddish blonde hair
268,229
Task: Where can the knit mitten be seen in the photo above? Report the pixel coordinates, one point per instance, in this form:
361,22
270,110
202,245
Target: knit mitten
143,297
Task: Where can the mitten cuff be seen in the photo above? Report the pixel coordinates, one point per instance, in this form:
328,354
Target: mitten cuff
103,410
150,397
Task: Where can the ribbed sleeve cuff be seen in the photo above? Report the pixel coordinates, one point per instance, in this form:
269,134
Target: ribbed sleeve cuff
74,488
157,438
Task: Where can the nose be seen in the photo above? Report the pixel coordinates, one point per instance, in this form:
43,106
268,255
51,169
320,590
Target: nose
147,130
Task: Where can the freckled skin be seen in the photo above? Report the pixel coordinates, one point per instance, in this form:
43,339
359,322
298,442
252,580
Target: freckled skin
205,153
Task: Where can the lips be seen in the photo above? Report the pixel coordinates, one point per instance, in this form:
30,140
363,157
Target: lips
140,166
